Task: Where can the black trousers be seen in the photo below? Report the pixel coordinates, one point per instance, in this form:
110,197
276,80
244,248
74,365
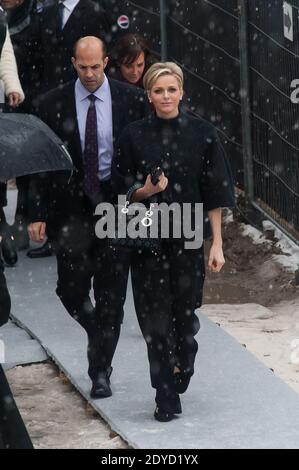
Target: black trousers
107,272
85,262
3,200
3,203
13,434
167,289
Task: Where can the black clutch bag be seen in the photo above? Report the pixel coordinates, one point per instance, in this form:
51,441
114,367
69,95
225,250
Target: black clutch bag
137,228
144,232
140,233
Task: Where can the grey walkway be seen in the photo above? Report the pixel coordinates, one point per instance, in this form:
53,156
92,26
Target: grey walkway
18,348
233,400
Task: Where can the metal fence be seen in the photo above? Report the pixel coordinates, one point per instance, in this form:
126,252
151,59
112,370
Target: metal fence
239,67
273,64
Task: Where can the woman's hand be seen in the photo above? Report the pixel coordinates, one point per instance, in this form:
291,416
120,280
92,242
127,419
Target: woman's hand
14,99
150,189
216,258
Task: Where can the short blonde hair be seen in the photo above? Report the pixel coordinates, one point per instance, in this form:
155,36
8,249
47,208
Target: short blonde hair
160,69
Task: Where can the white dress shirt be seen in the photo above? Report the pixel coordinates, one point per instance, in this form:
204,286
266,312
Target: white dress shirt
69,6
103,106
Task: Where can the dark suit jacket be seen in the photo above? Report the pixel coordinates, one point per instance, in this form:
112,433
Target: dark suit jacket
54,199
55,48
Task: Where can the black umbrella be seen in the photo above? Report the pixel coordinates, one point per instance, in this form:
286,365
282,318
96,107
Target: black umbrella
28,145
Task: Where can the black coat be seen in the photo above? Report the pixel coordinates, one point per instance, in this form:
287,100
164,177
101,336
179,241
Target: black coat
4,297
22,24
53,57
53,198
190,154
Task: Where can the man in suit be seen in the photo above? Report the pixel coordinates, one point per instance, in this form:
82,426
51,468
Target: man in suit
60,26
56,30
89,115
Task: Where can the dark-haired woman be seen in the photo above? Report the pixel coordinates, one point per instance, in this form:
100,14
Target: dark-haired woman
130,59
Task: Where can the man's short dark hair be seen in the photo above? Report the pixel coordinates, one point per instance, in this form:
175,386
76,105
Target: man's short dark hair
104,46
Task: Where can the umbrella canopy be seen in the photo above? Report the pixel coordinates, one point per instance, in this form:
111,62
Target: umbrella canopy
28,145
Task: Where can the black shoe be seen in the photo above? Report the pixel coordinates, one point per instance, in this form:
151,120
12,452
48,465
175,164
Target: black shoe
168,402
9,251
101,386
181,382
163,416
42,252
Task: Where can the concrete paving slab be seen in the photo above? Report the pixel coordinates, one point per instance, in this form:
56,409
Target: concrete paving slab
233,401
18,348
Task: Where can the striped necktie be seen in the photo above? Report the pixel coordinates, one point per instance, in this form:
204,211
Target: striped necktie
59,18
91,159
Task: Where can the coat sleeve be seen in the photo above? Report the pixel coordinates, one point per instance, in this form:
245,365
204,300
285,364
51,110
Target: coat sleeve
47,187
40,183
216,180
8,69
38,196
123,170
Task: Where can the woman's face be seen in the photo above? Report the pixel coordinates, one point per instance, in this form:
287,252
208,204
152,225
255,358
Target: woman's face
134,71
165,95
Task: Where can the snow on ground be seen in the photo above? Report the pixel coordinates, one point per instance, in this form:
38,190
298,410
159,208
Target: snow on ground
55,414
290,257
270,334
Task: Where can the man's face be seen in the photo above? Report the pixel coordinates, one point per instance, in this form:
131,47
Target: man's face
90,65
10,4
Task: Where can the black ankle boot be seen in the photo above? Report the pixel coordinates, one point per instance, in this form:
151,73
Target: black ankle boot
9,252
168,405
181,381
163,416
101,385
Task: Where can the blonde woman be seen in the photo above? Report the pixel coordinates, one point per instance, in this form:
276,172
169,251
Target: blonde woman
168,286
